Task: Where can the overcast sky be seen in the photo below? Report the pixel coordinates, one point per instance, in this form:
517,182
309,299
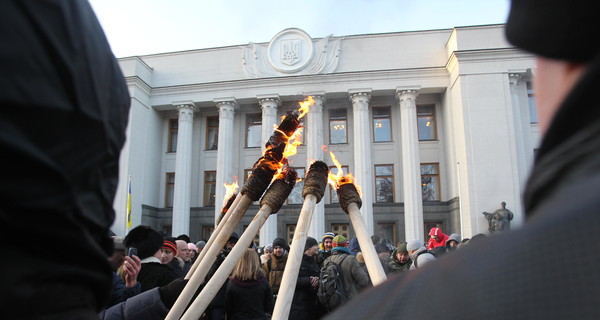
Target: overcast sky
138,27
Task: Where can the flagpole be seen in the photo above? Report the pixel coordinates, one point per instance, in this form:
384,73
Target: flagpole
128,217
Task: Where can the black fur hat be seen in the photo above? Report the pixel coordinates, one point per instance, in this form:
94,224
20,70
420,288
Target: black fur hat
564,30
145,239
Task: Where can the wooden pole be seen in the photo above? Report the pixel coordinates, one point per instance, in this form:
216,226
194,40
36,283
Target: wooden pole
366,245
290,273
212,237
218,279
211,255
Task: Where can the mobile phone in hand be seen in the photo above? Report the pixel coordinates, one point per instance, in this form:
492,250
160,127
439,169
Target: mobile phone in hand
132,252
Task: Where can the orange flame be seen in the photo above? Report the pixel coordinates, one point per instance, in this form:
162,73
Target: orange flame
305,106
292,146
338,179
230,189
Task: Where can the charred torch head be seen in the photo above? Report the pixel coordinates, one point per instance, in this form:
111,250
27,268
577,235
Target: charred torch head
316,180
347,193
279,190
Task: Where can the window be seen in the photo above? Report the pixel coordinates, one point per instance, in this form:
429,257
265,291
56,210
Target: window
341,229
430,181
210,179
290,229
387,232
426,122
533,118
382,130
384,183
296,194
212,133
173,128
170,189
337,126
333,193
253,130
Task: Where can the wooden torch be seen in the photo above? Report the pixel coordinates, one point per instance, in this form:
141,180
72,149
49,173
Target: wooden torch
314,188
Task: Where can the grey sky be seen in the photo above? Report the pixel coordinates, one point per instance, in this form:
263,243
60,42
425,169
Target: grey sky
137,27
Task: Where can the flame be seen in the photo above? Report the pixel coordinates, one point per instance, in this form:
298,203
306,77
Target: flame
338,179
230,189
305,105
292,146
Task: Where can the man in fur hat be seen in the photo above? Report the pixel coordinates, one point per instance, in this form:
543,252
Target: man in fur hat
516,274
149,243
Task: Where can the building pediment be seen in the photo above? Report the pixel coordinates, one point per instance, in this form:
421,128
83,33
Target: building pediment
291,52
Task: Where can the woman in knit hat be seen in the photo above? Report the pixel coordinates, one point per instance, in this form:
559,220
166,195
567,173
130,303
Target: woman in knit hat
168,251
355,278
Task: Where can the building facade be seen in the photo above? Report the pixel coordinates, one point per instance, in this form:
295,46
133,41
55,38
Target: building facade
437,126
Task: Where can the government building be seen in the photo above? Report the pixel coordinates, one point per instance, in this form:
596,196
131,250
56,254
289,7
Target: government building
437,126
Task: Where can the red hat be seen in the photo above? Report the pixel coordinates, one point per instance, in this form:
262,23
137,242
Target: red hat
170,245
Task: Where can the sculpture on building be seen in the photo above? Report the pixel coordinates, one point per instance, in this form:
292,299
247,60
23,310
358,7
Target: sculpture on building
500,219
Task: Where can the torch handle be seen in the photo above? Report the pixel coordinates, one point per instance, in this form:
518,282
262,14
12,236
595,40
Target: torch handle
366,245
211,255
212,237
292,265
216,281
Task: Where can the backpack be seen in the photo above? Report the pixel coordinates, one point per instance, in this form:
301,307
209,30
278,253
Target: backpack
332,293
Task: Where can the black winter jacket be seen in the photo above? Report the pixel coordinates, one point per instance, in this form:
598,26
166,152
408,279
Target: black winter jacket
305,296
248,299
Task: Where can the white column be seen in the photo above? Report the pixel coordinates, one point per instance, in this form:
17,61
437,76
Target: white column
363,171
520,152
268,104
225,150
411,165
313,134
183,169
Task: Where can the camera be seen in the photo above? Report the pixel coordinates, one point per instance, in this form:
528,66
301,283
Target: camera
132,252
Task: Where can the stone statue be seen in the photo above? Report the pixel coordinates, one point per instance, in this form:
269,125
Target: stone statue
499,220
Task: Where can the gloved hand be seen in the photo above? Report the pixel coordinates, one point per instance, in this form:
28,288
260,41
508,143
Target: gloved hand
170,292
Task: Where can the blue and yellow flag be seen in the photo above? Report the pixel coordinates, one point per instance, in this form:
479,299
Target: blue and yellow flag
129,205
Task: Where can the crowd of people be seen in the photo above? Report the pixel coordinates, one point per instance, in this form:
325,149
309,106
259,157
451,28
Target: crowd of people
161,263
58,66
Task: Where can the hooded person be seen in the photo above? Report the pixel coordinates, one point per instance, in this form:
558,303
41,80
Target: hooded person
148,243
400,260
354,246
515,274
452,242
437,238
64,107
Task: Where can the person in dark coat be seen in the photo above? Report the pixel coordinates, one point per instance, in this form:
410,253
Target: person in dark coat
149,243
304,304
248,295
400,260
64,107
515,274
